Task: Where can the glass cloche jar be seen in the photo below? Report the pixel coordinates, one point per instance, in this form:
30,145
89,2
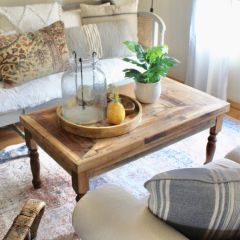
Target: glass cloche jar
84,92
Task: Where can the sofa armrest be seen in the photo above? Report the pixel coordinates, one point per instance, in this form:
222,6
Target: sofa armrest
151,29
112,213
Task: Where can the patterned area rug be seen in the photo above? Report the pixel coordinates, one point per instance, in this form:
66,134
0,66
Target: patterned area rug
16,187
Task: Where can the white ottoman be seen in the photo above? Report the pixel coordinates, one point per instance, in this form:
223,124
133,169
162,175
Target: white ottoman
234,155
111,213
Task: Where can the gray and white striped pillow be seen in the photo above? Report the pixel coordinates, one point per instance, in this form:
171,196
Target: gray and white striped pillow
201,203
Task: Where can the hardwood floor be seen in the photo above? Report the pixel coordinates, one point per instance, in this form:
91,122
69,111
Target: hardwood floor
8,135
235,113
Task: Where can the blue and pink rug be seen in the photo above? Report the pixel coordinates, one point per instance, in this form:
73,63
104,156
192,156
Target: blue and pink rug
16,187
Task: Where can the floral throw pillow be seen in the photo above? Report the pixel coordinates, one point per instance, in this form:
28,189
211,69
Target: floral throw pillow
27,56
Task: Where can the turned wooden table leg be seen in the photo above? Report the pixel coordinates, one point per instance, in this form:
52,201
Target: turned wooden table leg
34,159
80,184
212,139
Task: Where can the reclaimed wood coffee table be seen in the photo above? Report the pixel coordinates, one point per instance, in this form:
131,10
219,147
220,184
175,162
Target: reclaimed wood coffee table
180,112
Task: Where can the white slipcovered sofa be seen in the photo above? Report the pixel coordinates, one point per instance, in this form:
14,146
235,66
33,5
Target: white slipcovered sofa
46,91
110,212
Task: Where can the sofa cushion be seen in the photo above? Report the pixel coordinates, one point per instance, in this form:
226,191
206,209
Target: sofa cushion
201,203
28,18
41,90
28,56
31,94
107,38
110,212
95,14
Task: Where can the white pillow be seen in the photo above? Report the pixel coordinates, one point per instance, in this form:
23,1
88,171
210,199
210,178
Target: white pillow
72,18
28,18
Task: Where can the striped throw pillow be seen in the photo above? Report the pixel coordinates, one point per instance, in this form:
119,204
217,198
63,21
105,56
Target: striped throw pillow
201,203
106,39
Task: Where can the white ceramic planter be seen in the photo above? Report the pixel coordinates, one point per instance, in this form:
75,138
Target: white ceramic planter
147,92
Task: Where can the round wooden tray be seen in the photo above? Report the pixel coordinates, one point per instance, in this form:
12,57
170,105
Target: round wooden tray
104,129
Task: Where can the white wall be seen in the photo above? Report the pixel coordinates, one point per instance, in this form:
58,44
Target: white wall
234,79
177,16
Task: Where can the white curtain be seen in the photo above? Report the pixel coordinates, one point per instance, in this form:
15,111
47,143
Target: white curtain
214,37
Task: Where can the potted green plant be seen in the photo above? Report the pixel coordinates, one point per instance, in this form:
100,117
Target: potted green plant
152,64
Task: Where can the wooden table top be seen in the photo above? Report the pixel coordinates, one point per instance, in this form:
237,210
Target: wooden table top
180,111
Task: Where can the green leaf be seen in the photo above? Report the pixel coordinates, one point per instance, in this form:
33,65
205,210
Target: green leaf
154,60
133,73
136,48
130,45
140,53
142,65
170,61
155,52
133,46
151,77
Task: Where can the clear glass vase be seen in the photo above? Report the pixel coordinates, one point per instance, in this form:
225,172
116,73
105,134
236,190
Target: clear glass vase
84,92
